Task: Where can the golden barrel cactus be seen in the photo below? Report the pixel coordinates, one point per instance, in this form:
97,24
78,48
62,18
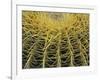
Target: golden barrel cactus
54,39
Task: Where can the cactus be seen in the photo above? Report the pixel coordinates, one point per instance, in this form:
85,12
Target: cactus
54,39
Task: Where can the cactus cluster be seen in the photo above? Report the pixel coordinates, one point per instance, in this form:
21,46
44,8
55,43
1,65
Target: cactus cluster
54,39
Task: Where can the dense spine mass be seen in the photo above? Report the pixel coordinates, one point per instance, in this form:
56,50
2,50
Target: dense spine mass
51,39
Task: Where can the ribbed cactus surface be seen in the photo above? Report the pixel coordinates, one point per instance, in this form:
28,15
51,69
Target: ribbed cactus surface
54,39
